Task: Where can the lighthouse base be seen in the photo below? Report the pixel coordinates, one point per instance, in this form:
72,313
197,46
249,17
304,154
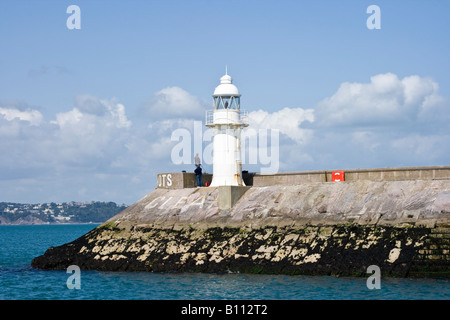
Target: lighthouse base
235,180
229,195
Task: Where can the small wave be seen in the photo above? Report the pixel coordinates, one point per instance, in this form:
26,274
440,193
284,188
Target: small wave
232,272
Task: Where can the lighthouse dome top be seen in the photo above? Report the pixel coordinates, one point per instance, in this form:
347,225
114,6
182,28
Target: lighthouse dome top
226,87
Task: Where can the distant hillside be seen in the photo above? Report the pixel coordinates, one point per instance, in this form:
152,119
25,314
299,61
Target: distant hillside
67,212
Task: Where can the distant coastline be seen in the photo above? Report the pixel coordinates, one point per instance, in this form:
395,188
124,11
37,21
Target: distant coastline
52,224
92,212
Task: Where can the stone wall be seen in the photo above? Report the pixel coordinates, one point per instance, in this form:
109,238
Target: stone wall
433,258
324,250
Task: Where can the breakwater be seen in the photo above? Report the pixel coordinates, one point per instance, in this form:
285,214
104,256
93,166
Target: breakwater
310,228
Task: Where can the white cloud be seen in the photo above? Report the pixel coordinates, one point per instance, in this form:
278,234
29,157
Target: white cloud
75,139
287,120
423,148
365,139
175,102
34,117
94,150
65,119
163,127
90,109
274,141
94,132
89,104
387,122
93,147
385,100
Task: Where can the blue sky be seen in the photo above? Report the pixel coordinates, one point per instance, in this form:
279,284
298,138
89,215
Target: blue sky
88,114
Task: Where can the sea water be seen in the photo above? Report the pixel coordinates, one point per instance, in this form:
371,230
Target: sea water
19,281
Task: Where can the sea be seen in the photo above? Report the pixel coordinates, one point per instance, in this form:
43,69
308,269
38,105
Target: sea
19,281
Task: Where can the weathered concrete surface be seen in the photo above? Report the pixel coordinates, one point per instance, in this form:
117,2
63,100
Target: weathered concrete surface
362,202
315,228
230,195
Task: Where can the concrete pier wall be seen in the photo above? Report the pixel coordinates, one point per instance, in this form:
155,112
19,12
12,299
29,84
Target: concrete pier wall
180,180
381,174
310,228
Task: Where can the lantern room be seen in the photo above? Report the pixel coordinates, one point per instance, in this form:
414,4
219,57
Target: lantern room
226,95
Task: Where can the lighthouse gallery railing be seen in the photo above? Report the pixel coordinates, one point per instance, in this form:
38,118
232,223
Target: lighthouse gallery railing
243,117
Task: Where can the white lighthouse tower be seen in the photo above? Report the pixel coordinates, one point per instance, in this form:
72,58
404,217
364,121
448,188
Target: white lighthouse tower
227,121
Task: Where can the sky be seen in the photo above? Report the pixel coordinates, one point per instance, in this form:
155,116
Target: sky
94,113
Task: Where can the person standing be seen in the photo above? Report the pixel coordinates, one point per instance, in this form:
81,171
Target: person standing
197,160
198,175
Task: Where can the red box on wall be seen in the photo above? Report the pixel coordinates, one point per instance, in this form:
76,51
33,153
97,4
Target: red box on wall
337,176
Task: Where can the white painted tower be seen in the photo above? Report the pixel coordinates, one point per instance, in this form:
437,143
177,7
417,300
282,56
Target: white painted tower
227,121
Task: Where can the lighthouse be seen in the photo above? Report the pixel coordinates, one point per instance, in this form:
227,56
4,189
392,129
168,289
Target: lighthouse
227,120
